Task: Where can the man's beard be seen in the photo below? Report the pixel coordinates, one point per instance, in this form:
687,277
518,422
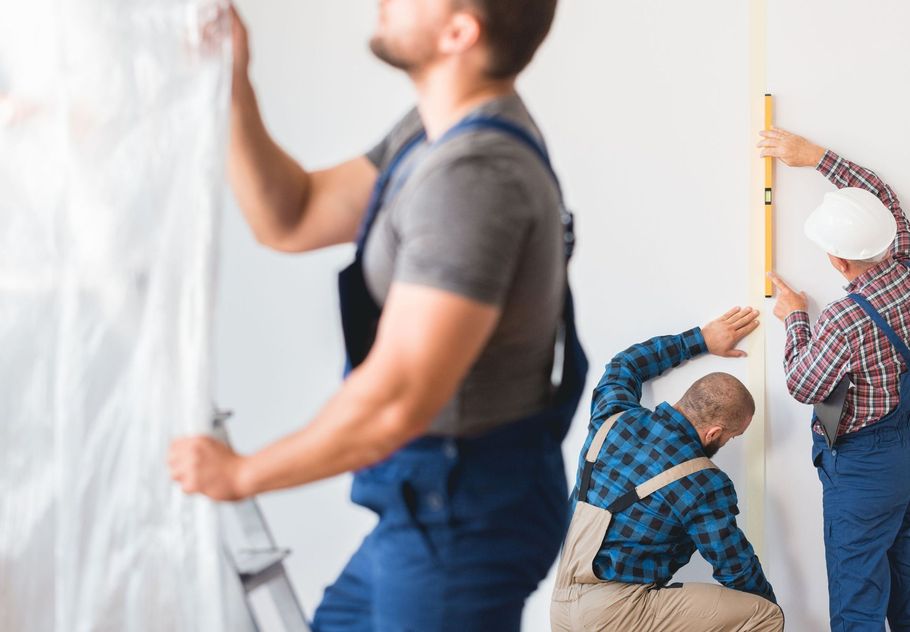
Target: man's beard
712,448
380,48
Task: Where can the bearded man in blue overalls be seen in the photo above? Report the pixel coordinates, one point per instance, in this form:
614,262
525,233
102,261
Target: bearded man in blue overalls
853,367
452,311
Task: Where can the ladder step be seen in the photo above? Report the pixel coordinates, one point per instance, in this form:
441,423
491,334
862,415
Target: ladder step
250,563
258,562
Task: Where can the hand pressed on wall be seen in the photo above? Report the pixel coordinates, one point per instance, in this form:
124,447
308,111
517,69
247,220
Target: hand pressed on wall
788,299
723,334
792,150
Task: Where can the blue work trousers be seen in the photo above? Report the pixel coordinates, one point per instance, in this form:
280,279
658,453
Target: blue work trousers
467,529
866,484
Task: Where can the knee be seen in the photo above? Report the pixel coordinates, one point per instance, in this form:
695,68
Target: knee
770,619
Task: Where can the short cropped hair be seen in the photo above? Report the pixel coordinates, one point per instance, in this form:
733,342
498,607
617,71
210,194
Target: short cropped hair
514,30
718,399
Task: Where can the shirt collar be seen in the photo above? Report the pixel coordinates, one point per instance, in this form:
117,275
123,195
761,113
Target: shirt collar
869,274
666,411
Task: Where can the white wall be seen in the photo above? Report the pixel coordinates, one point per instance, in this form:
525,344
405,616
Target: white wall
646,108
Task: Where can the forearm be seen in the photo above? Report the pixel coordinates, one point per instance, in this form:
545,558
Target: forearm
628,371
843,173
712,526
813,366
648,360
270,186
799,332
751,580
798,336
360,426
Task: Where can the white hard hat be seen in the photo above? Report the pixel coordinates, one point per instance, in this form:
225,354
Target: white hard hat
852,224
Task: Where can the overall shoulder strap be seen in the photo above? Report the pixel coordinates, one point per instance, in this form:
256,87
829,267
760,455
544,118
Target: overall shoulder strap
471,123
593,451
647,488
522,135
882,324
507,127
382,184
667,477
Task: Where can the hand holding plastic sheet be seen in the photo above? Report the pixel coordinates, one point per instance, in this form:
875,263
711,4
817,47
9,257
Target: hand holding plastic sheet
203,465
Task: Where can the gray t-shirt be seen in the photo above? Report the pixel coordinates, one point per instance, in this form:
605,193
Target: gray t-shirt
478,216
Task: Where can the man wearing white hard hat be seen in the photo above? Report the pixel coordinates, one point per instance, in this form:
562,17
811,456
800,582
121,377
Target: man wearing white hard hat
853,367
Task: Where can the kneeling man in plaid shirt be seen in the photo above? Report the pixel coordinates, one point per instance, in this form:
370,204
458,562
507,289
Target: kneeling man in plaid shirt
854,364
647,496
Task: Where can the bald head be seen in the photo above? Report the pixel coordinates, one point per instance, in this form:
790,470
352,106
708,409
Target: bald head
718,399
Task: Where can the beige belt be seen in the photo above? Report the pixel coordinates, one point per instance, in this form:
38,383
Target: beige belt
589,523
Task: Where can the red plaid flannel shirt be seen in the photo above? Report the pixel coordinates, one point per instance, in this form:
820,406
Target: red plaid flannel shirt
845,340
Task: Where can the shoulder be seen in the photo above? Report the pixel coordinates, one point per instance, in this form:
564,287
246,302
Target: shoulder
501,155
708,490
486,174
477,183
839,316
494,162
407,127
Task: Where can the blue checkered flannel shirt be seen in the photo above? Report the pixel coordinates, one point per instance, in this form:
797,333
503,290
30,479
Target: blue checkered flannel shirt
652,539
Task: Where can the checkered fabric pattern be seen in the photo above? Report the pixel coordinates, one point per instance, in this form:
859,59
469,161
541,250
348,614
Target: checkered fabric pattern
652,539
845,341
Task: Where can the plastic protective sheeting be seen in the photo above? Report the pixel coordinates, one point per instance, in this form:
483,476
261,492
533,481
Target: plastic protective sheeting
113,118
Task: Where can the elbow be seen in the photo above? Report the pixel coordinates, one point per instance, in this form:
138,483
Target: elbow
275,239
275,222
265,237
280,235
799,394
398,424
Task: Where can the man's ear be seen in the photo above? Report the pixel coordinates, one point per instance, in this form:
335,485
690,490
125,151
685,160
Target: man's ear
712,433
460,34
841,265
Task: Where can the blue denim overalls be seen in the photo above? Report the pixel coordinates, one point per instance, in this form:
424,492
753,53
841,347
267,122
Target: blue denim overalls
468,527
865,479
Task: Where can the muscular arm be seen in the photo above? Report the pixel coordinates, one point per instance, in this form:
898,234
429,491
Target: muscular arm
427,341
288,208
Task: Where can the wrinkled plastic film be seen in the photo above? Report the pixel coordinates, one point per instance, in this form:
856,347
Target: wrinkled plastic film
112,126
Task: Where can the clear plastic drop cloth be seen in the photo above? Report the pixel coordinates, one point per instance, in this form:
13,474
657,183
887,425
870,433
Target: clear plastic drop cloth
113,120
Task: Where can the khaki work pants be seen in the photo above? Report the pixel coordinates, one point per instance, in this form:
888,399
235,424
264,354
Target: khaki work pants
618,607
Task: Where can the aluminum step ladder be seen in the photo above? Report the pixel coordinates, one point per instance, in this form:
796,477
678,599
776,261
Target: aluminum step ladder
251,551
